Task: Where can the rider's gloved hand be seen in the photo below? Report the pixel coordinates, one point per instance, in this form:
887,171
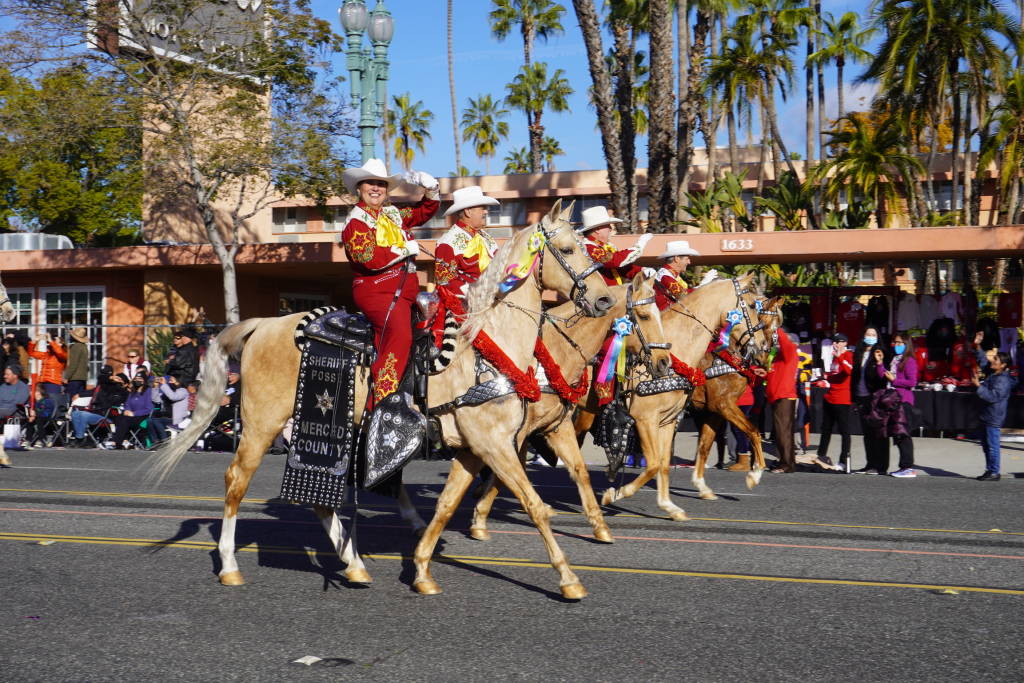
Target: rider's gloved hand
412,248
708,277
426,181
649,272
643,240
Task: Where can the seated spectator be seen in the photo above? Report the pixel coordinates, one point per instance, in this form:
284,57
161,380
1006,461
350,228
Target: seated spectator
994,395
232,396
111,390
49,349
13,394
137,408
38,411
134,364
174,399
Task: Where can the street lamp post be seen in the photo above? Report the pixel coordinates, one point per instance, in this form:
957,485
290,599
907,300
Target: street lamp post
368,69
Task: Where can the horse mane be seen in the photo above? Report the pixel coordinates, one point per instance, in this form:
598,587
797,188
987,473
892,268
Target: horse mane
482,295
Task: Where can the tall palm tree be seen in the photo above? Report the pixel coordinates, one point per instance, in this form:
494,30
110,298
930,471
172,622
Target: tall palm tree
482,125
517,161
532,92
1007,146
918,64
627,20
662,172
535,18
842,39
871,162
611,141
408,123
551,148
451,92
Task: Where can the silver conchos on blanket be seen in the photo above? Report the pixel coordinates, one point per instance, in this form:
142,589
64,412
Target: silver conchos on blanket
395,433
663,384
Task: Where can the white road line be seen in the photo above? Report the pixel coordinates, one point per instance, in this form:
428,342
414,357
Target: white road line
76,469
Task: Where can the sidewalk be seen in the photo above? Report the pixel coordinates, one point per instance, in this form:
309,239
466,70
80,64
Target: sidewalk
932,456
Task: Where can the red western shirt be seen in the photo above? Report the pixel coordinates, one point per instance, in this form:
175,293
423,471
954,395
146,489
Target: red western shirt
614,262
781,380
360,238
458,256
838,377
668,288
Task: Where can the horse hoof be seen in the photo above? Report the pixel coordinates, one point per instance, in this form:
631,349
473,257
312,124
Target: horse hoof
604,535
708,495
753,478
480,534
679,516
574,591
427,587
232,579
608,497
358,575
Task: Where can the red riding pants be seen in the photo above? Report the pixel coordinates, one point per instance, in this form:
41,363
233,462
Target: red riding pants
392,332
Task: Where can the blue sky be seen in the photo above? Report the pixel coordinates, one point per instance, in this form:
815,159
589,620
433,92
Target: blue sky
484,65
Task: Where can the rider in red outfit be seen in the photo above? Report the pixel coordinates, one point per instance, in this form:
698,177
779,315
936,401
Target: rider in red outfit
670,285
465,251
615,263
382,252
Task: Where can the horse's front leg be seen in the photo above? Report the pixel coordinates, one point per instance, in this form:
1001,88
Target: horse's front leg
563,442
478,527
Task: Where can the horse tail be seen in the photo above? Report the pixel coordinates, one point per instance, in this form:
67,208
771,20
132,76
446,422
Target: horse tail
227,343
451,330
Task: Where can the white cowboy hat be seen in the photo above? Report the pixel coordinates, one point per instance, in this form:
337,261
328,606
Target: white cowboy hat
679,248
596,217
467,198
372,169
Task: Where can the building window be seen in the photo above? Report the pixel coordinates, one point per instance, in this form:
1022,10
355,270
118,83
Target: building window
944,197
290,219
511,212
22,300
862,272
300,303
67,308
335,218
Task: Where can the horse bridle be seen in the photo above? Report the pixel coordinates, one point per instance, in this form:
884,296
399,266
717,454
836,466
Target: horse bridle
646,357
747,342
578,292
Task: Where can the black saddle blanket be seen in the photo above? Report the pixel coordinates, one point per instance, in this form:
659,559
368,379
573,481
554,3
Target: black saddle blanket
324,438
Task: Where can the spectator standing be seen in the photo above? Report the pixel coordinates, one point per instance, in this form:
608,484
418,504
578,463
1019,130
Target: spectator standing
77,371
50,350
13,393
902,376
18,354
994,395
135,364
864,381
184,362
781,392
111,391
837,406
137,407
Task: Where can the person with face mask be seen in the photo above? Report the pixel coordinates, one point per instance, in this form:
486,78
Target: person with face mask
864,381
137,407
901,375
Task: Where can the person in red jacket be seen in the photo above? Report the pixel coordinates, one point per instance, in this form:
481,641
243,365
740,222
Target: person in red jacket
382,252
616,264
670,285
838,402
466,249
781,393
49,349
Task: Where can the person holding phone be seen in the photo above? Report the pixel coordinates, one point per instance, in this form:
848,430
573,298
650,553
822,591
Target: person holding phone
49,349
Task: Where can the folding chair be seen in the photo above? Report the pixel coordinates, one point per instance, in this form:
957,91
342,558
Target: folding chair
99,432
53,431
137,437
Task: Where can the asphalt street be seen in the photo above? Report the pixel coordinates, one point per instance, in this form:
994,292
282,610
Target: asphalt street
810,576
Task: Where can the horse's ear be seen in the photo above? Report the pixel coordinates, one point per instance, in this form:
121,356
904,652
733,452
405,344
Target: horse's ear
567,212
639,280
555,211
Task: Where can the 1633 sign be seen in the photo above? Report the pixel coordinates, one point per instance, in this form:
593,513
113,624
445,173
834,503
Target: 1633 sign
734,244
215,32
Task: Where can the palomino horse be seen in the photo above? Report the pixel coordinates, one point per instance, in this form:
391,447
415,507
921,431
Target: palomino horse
690,327
690,323
7,313
717,398
572,342
491,431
